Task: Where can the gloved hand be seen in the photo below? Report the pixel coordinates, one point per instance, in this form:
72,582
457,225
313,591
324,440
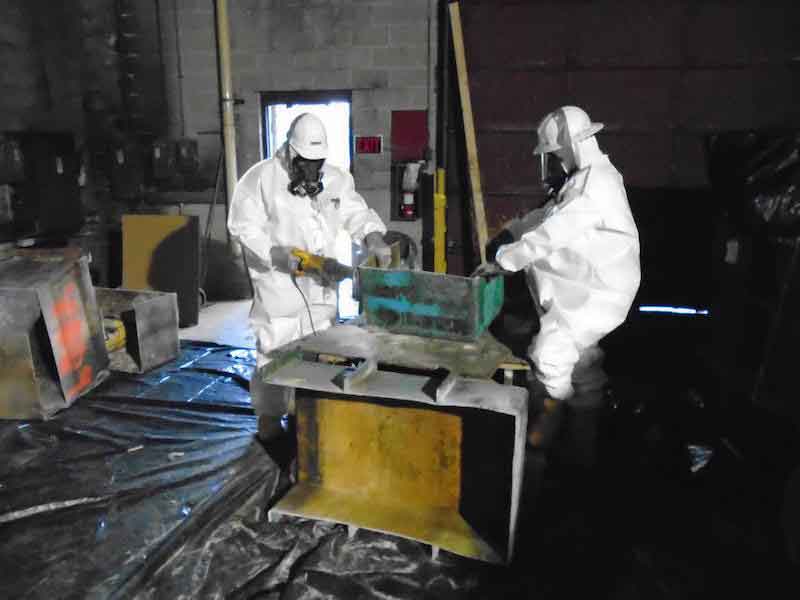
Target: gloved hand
501,239
283,260
490,269
377,247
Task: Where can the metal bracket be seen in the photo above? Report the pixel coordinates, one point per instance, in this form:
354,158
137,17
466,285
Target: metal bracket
445,387
353,378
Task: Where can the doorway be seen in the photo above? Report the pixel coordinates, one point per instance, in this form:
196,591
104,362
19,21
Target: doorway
278,110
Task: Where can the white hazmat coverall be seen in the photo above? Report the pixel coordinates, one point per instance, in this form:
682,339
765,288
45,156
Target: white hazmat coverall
264,214
580,252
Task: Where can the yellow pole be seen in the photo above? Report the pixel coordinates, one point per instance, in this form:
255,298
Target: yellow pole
440,223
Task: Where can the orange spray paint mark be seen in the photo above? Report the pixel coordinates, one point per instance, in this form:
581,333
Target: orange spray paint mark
84,380
72,339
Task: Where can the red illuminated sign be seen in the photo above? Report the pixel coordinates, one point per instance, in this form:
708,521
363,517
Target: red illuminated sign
369,144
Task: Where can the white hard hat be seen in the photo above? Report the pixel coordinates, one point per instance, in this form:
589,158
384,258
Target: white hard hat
563,128
307,137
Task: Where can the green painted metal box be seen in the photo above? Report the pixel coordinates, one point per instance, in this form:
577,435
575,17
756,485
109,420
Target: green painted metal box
429,304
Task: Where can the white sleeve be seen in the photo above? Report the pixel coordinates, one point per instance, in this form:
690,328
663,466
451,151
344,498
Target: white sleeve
519,226
248,221
565,223
359,220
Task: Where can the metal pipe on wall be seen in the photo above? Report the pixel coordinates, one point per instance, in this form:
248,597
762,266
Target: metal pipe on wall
227,103
440,189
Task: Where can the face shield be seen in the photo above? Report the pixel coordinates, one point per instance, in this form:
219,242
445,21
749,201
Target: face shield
305,176
553,173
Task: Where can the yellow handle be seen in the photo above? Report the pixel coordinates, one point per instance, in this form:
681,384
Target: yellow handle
309,263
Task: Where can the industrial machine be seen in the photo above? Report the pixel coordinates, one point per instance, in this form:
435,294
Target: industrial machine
401,427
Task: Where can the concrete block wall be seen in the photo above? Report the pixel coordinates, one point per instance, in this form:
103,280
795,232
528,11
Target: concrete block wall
379,49
41,47
662,76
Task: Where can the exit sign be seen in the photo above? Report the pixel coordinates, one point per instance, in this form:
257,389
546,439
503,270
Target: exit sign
369,144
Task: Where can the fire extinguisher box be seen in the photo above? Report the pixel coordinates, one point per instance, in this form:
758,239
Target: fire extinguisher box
52,349
407,205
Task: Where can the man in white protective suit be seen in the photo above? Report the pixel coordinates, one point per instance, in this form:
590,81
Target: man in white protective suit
296,200
580,253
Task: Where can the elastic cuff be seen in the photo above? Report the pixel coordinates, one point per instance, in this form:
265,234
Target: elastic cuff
514,257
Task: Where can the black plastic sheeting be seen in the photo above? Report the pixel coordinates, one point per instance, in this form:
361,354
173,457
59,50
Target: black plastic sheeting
155,487
757,176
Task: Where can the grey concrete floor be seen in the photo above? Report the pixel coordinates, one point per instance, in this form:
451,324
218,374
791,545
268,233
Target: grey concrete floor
223,323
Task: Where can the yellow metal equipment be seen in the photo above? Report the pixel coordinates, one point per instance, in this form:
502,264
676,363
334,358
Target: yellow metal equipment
406,452
114,331
161,252
440,223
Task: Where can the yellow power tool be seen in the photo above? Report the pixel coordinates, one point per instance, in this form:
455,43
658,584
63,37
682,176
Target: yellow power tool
327,270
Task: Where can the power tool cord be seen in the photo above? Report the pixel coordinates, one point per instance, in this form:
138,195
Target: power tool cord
303,296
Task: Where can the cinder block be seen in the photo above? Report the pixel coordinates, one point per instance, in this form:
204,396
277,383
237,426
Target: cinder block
408,56
196,85
248,36
287,35
507,163
409,35
199,63
532,34
313,60
201,6
343,38
371,121
380,98
200,38
625,33
242,60
206,118
381,179
292,80
627,100
351,58
742,33
416,98
273,62
373,35
526,97
370,78
408,77
375,163
409,12
335,79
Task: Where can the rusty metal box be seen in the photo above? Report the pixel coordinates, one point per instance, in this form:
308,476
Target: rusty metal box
151,327
429,304
51,340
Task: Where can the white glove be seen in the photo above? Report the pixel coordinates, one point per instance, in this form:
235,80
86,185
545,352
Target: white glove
378,248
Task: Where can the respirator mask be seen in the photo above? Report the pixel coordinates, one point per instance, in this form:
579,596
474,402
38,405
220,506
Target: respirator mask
554,174
305,176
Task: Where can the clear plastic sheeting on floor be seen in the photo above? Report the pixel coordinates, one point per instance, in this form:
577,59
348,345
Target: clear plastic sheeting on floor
154,486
